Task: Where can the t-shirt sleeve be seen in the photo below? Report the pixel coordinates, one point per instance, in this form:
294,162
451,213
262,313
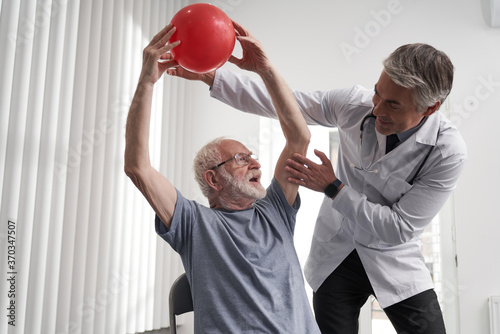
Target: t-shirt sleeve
180,228
277,198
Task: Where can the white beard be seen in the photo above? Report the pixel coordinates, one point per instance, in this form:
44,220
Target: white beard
239,187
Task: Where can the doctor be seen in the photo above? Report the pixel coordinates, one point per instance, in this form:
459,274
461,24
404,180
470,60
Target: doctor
399,160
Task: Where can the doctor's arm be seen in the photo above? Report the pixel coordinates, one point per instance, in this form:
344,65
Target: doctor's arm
392,224
251,95
411,214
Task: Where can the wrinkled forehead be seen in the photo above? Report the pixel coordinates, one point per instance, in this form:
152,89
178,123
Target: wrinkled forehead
230,147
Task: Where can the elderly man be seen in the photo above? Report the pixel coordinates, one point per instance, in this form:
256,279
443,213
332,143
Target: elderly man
399,160
238,254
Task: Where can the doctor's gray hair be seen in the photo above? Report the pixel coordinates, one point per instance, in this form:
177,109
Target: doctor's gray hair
207,157
423,69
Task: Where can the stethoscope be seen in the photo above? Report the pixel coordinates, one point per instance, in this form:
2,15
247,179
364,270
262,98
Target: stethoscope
372,160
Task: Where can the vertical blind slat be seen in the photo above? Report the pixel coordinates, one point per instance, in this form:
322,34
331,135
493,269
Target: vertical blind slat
106,295
118,109
15,185
67,160
47,176
122,268
78,179
36,192
8,40
99,90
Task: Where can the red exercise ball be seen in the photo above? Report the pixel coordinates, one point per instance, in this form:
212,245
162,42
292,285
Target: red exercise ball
207,37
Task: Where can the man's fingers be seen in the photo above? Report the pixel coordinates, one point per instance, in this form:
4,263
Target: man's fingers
164,39
234,60
297,166
158,46
297,181
168,64
161,34
296,173
166,56
167,47
300,158
322,156
304,161
239,29
295,176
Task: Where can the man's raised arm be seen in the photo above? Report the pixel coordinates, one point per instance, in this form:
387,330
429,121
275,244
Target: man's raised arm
292,122
159,192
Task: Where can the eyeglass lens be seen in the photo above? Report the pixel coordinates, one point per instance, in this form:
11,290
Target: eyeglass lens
243,158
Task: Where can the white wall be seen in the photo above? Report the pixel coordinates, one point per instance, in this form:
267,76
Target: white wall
304,39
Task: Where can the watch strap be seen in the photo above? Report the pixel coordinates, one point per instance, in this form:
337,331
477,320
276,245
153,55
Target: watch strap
333,188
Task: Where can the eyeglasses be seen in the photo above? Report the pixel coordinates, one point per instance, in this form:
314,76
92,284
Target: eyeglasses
242,159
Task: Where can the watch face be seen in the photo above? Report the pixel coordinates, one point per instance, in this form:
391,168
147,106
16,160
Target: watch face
333,188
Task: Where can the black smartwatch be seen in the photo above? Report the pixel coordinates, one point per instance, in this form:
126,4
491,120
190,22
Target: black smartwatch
333,188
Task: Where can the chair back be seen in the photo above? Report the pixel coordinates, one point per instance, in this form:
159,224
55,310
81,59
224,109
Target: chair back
180,300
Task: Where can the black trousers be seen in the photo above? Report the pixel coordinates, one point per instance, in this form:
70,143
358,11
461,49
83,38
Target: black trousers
338,301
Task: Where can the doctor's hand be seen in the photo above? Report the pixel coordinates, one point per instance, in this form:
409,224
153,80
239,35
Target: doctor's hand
306,173
254,58
181,72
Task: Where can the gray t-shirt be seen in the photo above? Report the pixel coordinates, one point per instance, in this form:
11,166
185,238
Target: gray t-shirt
242,266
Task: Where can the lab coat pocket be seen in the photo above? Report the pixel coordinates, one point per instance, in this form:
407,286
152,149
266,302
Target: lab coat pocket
364,238
394,189
328,225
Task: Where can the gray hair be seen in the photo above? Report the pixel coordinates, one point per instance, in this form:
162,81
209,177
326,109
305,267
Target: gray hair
207,157
427,72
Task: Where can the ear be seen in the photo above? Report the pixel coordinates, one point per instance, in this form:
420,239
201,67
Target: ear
432,109
212,180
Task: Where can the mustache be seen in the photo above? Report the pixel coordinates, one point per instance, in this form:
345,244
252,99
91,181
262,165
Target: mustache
253,174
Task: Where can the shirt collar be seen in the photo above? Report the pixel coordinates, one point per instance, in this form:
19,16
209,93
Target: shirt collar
408,133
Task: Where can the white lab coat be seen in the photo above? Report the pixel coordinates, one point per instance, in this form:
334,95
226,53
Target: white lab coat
378,212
